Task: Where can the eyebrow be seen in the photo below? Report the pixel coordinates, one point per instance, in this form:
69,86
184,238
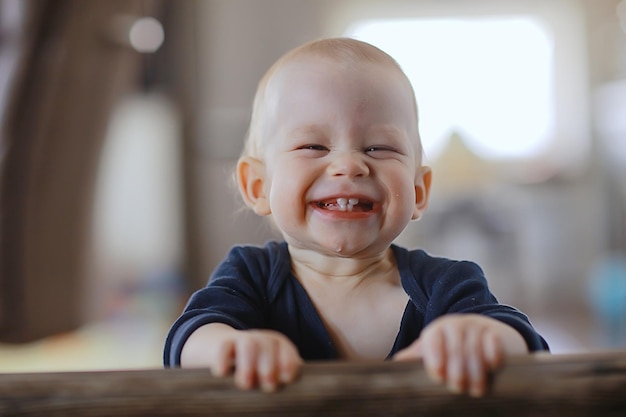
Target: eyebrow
388,130
317,129
310,129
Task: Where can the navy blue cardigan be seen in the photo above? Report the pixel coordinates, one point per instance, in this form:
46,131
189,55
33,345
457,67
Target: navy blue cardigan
255,288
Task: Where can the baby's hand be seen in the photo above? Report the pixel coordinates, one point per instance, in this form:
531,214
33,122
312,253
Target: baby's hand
460,350
262,358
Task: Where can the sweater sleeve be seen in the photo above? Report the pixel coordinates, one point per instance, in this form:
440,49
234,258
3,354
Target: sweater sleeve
235,295
461,287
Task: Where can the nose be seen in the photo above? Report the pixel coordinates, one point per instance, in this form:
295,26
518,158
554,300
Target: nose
348,163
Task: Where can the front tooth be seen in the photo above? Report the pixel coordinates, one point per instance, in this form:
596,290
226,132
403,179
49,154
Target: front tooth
342,203
353,201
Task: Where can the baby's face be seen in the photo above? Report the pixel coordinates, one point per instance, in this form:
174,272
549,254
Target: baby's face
341,151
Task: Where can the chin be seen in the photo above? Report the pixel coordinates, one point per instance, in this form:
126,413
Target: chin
347,249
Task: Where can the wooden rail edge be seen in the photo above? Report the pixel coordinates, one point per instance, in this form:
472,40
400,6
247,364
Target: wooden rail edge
537,385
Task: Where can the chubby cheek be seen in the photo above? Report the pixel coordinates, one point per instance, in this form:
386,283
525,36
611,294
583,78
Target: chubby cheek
286,200
403,200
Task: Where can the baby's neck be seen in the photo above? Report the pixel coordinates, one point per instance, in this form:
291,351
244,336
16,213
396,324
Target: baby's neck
334,269
359,300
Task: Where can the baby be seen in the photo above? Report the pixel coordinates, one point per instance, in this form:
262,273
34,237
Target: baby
334,157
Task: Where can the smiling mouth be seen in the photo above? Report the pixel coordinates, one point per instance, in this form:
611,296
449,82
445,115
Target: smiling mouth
346,204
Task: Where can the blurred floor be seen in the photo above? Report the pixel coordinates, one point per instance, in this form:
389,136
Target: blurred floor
111,345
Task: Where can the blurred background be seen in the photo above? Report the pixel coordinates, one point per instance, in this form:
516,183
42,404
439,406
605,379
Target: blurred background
122,121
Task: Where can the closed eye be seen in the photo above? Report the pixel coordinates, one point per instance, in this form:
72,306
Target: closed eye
321,148
314,147
380,150
314,150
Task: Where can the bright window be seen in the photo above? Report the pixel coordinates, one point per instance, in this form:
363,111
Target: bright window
488,79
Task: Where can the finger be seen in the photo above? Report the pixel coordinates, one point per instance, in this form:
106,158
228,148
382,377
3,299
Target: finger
475,363
225,357
494,350
412,352
290,363
434,354
245,363
455,375
267,365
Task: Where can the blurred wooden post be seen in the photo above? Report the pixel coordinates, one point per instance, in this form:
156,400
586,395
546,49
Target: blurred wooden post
69,77
559,385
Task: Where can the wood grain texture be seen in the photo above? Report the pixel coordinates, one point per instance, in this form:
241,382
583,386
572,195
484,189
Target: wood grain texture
540,385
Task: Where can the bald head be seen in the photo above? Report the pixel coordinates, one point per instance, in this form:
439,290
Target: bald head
345,52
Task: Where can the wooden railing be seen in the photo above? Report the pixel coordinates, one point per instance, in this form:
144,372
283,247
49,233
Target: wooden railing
540,385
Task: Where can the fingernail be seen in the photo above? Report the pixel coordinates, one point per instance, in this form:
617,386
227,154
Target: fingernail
476,392
269,386
287,377
455,387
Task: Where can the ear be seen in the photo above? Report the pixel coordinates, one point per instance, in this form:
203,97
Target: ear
251,182
423,179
